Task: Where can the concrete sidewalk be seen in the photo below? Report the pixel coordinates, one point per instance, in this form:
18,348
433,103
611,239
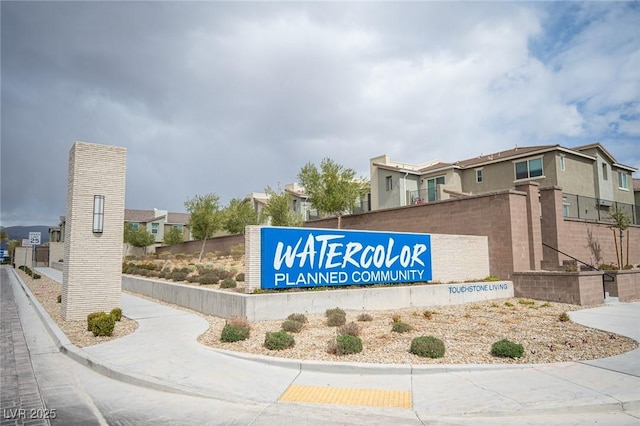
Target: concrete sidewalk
164,354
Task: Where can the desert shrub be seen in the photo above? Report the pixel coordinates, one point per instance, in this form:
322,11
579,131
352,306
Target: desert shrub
240,277
102,324
234,333
396,318
228,283
427,314
278,340
345,344
507,349
298,317
526,302
351,329
336,319
427,347
178,275
401,327
116,313
508,304
209,278
292,326
59,298
237,252
91,317
193,278
224,273
339,311
365,317
564,317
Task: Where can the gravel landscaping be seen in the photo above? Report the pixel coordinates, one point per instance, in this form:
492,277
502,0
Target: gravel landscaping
468,332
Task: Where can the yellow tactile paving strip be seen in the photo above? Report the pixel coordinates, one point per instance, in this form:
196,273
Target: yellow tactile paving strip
347,396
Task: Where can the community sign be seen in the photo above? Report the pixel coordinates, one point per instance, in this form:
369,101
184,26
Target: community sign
305,257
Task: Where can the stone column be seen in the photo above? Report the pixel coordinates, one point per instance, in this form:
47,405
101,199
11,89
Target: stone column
92,273
533,223
253,254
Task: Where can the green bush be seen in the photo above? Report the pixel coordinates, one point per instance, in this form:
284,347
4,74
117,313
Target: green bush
209,278
228,283
365,317
234,333
345,344
507,349
116,313
102,324
298,317
336,319
351,329
278,340
292,326
401,327
564,317
91,317
427,347
240,277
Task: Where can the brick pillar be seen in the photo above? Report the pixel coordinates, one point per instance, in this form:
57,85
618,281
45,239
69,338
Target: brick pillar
533,223
552,221
252,251
92,274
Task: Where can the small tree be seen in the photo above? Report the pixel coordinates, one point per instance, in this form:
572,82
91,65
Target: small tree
278,209
206,217
140,237
173,236
621,221
332,189
3,236
238,214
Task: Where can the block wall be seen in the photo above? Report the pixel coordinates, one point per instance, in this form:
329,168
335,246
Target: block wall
500,216
583,288
93,261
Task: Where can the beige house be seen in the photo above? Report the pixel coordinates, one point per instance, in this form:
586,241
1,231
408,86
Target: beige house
590,177
157,222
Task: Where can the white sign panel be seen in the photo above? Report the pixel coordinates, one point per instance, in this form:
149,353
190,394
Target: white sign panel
34,238
26,242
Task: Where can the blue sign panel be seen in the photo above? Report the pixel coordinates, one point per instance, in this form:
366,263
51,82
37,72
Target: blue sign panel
305,257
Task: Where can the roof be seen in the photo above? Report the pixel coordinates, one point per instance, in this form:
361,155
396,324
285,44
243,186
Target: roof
509,154
142,216
502,155
178,218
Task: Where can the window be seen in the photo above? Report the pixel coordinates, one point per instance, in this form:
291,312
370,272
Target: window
605,174
154,228
562,163
622,180
389,182
432,188
135,225
528,169
565,207
479,175
179,227
98,213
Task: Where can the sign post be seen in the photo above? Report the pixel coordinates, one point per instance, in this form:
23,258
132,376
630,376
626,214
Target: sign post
34,241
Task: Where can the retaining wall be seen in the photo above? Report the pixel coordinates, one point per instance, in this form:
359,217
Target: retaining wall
626,285
277,306
579,288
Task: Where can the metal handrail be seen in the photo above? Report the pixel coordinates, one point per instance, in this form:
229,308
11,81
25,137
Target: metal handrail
604,274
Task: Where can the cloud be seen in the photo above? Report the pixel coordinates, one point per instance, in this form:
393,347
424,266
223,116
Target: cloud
232,97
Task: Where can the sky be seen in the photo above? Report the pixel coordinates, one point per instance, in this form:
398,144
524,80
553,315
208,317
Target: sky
232,97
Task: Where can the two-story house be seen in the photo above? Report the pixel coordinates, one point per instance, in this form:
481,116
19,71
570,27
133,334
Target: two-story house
591,179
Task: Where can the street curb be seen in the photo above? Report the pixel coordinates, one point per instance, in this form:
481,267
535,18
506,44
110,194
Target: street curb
102,367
